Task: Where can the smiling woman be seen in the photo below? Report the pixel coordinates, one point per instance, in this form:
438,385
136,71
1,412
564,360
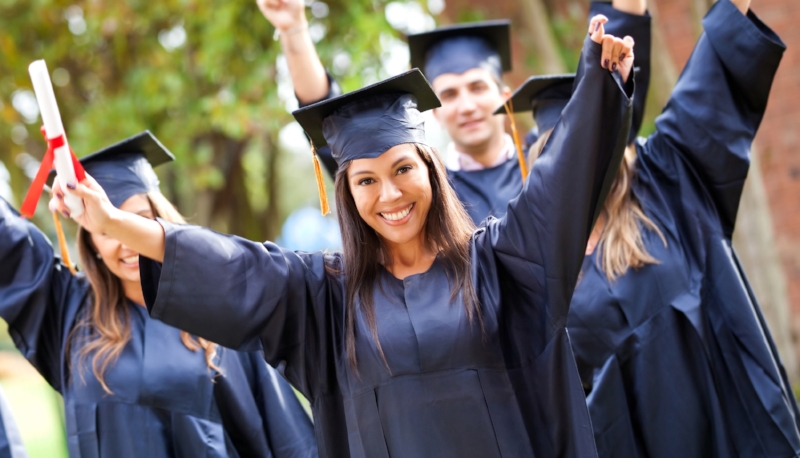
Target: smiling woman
133,386
384,212
424,337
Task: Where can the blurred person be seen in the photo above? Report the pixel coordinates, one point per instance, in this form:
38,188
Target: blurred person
424,337
11,445
674,353
133,386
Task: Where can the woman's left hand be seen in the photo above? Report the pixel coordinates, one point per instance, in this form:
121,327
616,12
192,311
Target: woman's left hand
617,54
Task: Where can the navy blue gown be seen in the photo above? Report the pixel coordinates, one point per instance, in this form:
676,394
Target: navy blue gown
676,357
451,392
11,445
165,401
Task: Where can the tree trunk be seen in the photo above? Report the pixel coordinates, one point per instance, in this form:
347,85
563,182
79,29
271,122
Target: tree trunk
753,240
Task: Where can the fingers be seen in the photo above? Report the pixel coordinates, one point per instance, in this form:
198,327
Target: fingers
596,29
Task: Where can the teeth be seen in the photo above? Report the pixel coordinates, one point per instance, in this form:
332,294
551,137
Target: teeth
131,259
397,216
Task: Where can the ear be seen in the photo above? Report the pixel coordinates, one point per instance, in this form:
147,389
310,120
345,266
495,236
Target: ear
506,92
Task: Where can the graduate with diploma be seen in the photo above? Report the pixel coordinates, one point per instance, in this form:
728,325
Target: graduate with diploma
133,386
425,337
673,350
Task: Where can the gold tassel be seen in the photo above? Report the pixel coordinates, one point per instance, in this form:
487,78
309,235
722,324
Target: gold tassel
523,166
62,244
323,194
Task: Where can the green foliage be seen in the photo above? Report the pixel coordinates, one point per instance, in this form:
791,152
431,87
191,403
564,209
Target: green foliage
212,100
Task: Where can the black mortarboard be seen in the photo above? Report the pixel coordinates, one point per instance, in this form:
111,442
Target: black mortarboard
545,95
126,168
458,48
367,122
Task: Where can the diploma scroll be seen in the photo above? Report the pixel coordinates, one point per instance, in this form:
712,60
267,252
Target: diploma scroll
54,129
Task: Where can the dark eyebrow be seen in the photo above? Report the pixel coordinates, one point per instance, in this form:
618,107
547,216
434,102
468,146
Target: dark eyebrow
361,172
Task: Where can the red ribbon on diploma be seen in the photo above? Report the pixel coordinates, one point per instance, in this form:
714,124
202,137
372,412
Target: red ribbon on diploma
35,191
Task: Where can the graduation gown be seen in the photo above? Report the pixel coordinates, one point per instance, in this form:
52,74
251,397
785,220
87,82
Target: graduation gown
449,389
676,356
166,402
11,445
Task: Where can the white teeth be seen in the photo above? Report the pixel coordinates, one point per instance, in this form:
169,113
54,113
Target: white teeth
131,259
397,216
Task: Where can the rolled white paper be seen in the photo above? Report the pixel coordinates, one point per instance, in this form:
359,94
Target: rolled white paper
53,127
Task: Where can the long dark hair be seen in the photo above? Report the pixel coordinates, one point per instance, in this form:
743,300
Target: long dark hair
448,229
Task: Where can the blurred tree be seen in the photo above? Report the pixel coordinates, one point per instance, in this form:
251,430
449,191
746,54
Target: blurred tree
201,75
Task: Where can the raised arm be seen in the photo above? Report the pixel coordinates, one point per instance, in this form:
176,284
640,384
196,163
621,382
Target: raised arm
630,17
542,238
246,295
310,80
237,293
308,75
711,119
39,297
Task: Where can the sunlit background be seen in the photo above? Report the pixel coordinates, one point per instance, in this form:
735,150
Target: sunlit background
209,80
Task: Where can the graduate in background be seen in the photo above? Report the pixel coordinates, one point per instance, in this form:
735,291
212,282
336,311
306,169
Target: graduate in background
424,337
11,445
133,386
465,65
673,350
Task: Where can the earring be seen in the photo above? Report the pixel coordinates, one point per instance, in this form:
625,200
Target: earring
97,255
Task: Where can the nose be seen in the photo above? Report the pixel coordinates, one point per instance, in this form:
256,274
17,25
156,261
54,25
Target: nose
465,103
389,191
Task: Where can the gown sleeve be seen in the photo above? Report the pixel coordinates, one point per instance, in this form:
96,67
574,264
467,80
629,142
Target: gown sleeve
255,401
638,27
539,244
246,295
39,296
717,105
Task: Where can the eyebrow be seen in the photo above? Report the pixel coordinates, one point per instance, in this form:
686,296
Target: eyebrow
361,172
142,212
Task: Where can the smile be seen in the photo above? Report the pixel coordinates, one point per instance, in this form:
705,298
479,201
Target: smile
130,260
397,216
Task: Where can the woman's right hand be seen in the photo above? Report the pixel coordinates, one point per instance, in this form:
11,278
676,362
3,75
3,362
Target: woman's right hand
617,52
98,210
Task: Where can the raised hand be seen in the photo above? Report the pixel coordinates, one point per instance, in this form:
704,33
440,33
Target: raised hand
617,54
98,210
284,15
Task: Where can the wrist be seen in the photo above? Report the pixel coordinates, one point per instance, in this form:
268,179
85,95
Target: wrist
294,30
115,220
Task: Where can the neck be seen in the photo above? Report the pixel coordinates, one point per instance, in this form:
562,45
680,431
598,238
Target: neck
409,258
133,292
485,153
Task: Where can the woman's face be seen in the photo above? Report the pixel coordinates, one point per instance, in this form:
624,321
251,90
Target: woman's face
392,193
121,260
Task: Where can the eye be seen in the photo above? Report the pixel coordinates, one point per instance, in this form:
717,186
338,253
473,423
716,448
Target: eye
365,181
403,169
480,87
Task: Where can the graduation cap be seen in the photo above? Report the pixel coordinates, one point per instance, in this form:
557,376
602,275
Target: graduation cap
365,123
458,48
126,168
546,95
